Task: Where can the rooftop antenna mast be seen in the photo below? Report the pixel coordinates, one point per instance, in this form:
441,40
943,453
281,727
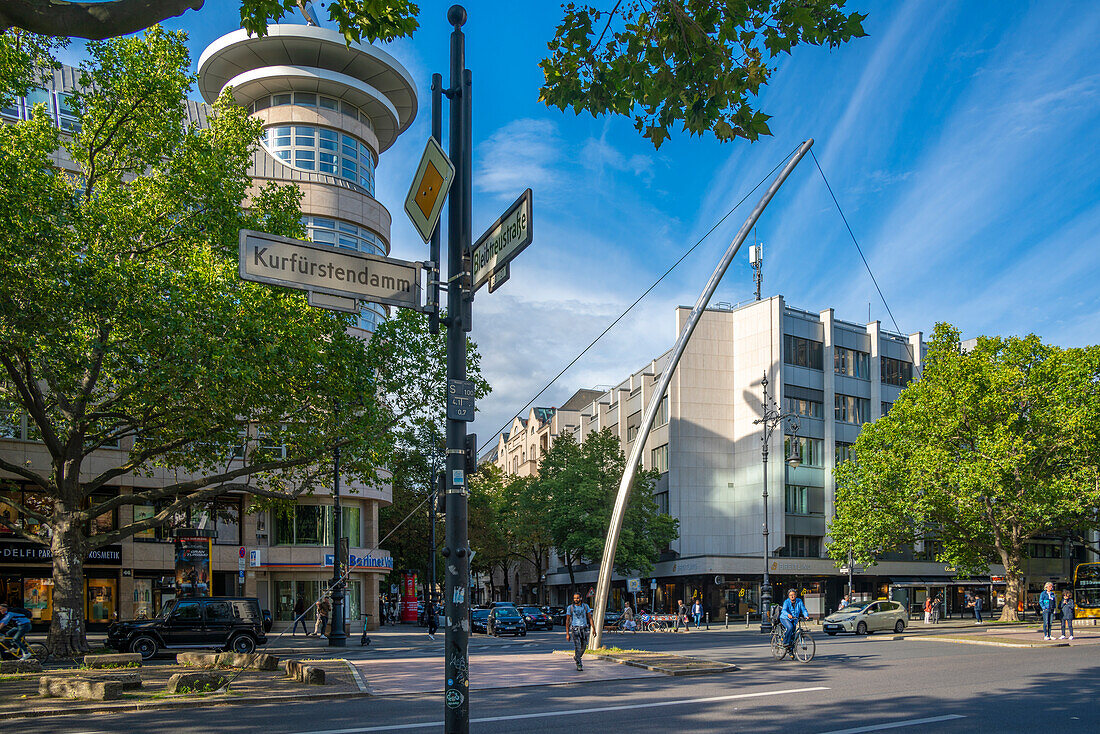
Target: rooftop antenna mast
756,259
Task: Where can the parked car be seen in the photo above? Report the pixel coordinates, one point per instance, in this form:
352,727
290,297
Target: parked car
495,604
479,619
233,624
535,618
505,620
863,618
556,614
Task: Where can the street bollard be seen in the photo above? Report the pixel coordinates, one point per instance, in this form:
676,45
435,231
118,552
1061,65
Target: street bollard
708,620
746,619
727,619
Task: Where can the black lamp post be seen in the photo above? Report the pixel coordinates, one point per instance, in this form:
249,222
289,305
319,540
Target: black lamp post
771,418
338,638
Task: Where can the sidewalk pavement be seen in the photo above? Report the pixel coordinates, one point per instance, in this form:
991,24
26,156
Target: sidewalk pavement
1012,636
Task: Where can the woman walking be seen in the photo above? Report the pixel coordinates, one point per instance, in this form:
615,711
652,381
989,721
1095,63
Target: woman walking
1067,614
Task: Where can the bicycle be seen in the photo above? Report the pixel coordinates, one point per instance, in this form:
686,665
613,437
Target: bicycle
10,651
804,646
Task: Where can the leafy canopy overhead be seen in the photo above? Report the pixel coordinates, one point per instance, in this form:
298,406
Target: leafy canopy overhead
696,63
995,444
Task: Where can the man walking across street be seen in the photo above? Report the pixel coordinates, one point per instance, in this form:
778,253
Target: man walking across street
681,616
1046,608
578,621
430,619
324,606
697,613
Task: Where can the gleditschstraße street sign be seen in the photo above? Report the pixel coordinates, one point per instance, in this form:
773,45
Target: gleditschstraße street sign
505,238
268,258
499,277
460,400
429,189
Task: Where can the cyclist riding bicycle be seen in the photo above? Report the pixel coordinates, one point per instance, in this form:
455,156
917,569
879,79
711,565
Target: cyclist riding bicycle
793,610
22,625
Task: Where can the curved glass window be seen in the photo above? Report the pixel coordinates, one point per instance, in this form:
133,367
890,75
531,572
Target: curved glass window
339,233
310,148
309,99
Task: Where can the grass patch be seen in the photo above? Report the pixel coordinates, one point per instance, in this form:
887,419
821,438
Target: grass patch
619,651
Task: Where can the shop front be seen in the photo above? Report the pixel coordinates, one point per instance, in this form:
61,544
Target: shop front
26,580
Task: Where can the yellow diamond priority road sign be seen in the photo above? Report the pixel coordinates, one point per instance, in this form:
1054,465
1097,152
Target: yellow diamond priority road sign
429,189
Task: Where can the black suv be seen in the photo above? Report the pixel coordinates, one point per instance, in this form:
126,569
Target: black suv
228,623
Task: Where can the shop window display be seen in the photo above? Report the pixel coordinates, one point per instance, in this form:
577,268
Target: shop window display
38,598
102,595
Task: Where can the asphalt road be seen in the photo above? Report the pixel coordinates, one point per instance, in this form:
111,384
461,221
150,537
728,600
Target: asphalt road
853,685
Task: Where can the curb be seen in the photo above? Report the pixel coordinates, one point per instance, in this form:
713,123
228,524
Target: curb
987,643
710,667
130,707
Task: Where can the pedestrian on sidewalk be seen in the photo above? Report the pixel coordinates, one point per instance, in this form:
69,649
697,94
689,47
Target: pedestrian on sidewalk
300,617
578,621
324,607
937,607
681,616
928,610
1067,613
697,613
430,619
1046,608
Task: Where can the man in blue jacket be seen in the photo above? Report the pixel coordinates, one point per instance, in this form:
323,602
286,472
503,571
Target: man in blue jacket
793,609
22,625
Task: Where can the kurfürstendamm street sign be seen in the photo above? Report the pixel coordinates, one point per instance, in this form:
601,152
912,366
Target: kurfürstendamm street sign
308,266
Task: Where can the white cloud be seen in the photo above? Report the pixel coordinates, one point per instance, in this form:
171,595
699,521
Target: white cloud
522,154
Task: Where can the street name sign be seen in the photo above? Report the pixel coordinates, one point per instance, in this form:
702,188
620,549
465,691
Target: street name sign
505,238
429,189
268,258
333,303
500,277
460,400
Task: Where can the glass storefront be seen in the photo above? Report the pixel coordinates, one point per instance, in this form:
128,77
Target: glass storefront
289,591
34,592
102,600
38,598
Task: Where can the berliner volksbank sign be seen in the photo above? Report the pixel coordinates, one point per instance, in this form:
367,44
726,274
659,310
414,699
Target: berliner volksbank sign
308,266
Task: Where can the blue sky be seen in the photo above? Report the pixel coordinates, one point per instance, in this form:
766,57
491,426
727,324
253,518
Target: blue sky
961,139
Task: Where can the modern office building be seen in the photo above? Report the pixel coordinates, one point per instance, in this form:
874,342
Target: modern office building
329,110
835,375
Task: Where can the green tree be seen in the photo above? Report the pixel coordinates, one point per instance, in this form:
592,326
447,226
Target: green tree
123,322
578,483
487,534
699,64
993,445
526,521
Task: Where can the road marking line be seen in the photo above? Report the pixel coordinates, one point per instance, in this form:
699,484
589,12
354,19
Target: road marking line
896,724
574,712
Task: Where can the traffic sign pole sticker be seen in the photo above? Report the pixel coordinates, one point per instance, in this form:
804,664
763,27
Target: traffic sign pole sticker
429,189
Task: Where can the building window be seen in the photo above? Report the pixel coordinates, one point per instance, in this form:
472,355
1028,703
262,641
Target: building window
886,407
896,372
852,363
1044,550
850,409
809,450
797,500
930,550
310,148
312,525
662,502
805,408
659,459
801,352
844,452
801,546
662,412
633,422
339,233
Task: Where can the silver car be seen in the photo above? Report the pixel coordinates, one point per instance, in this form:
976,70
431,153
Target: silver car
863,618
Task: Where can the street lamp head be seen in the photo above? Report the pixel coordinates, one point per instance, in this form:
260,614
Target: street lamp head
795,459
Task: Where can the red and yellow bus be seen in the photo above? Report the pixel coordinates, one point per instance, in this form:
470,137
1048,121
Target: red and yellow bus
1086,590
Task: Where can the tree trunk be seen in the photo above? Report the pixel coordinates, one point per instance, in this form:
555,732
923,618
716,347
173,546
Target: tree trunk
1014,582
68,636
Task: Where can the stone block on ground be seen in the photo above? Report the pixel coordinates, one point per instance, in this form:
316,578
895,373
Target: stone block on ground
195,682
251,661
292,668
312,675
130,680
119,660
20,666
198,659
82,688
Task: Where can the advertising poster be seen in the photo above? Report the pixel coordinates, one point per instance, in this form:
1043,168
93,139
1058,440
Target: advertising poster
408,596
193,566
